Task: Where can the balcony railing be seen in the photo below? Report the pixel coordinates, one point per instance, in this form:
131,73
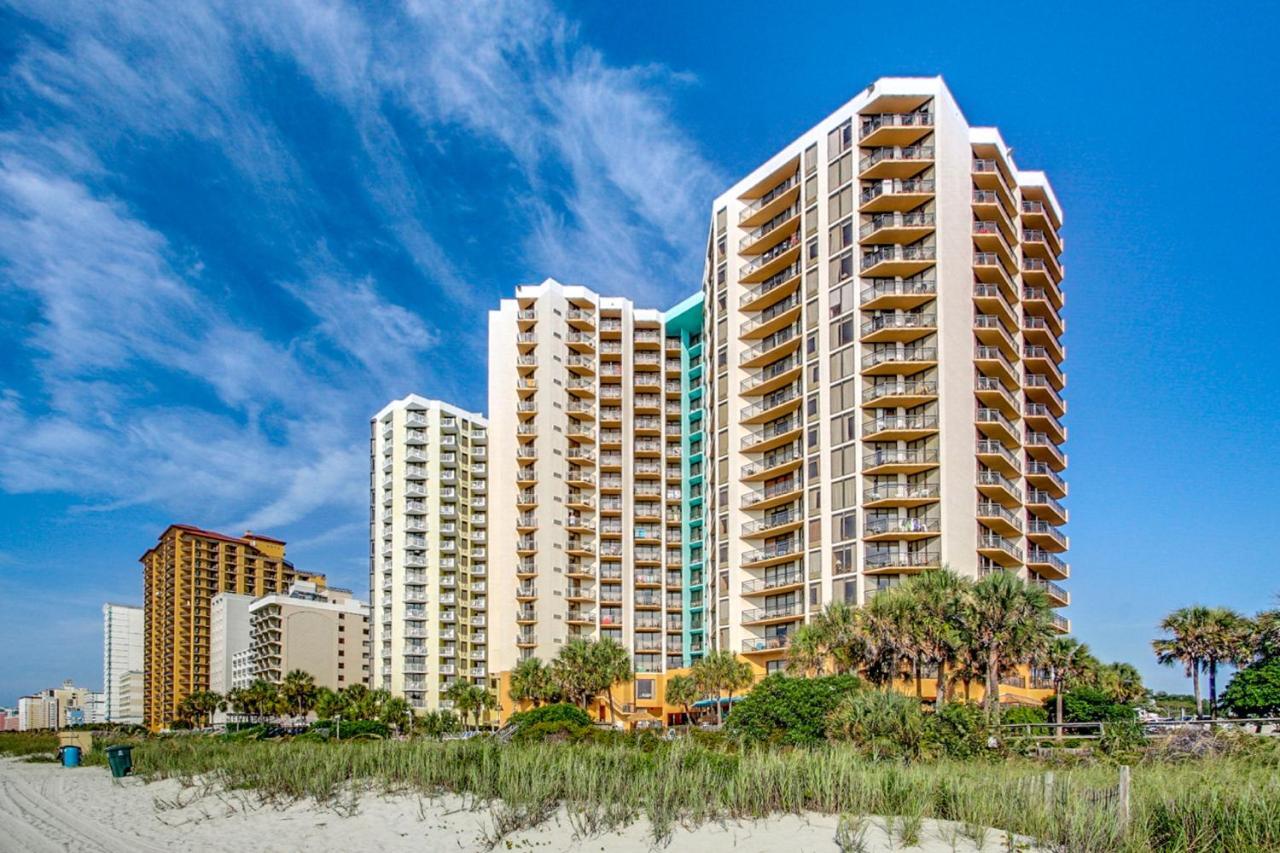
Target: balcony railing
913,286
881,221
897,253
756,614
908,525
751,528
914,186
877,560
899,423
903,356
901,491
870,124
911,320
756,204
896,456
775,581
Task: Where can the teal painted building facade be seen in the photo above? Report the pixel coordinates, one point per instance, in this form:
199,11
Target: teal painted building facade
685,322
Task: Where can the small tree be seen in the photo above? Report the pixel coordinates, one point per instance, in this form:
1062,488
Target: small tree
682,690
397,712
575,672
1255,690
1069,660
611,663
531,681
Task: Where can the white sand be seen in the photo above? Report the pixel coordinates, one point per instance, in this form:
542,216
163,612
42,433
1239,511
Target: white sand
44,807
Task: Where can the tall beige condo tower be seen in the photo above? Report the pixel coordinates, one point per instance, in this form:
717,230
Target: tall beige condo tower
883,303
428,543
587,465
122,656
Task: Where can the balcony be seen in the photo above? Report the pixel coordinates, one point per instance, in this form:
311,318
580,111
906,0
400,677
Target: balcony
896,227
774,260
1058,597
774,495
899,427
1040,272
900,494
895,195
991,361
772,319
999,550
990,332
999,519
767,206
1049,564
894,128
905,393
780,343
991,392
1046,536
883,294
1040,475
897,260
1041,420
769,233
994,425
773,465
899,461
898,327
998,488
900,528
1040,390
895,162
771,407
773,435
902,561
899,361
1042,448
773,524
777,613
773,583
1046,507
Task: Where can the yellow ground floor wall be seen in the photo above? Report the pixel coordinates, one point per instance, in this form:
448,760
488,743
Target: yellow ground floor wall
640,701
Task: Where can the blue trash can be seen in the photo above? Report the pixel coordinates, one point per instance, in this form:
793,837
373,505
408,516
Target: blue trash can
70,756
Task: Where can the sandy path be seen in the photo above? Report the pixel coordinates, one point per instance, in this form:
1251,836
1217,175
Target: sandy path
45,808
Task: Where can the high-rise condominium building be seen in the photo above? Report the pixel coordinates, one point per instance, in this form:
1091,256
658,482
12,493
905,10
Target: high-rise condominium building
228,637
884,304
428,548
590,402
121,655
181,574
323,632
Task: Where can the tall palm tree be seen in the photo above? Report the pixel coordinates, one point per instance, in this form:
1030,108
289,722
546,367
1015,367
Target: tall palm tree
843,637
936,600
1122,682
887,625
610,663
1010,623
807,650
1228,639
1069,660
299,690
718,672
397,712
1189,627
328,703
738,675
573,671
1265,641
463,696
682,690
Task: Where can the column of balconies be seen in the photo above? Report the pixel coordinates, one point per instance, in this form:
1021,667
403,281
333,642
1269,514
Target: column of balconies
897,341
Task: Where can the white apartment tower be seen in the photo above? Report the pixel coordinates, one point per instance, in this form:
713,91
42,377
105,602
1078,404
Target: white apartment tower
883,321
428,543
585,401
121,655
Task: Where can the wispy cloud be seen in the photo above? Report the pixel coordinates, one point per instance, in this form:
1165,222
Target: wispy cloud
220,353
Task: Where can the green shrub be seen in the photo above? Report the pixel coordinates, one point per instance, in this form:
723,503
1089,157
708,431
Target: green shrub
243,732
351,728
551,730
957,730
561,712
1090,705
881,723
1255,690
1122,737
788,710
1024,714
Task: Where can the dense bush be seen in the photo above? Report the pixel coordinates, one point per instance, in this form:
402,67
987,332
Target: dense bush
561,712
351,728
1090,705
788,710
551,730
1024,714
1255,690
881,723
957,730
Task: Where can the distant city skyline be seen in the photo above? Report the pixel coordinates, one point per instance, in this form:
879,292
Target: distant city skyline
224,244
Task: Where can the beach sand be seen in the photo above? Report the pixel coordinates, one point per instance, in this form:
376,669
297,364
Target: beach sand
44,807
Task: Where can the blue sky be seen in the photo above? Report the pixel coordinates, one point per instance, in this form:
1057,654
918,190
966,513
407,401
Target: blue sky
229,232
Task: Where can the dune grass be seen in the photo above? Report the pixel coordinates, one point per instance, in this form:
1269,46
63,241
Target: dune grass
1223,803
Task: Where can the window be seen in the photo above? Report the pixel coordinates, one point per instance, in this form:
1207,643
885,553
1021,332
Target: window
842,560
846,525
644,688
845,590
840,205
840,171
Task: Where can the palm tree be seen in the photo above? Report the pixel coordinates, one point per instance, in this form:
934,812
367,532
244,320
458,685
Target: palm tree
463,696
397,712
1188,645
807,650
887,626
611,664
1122,681
262,699
1069,660
1228,639
1265,640
682,690
299,690
718,672
1011,623
936,599
843,636
738,675
573,671
484,703
329,703
531,682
